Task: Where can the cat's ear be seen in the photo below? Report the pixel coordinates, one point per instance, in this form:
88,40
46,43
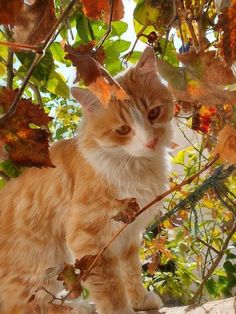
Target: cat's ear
147,62
86,98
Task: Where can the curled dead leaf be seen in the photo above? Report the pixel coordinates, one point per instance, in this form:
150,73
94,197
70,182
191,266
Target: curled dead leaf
26,145
128,210
70,281
226,146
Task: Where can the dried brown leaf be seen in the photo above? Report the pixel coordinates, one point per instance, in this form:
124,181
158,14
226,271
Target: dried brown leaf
187,87
226,146
26,146
207,67
83,265
9,10
34,22
70,281
128,210
87,68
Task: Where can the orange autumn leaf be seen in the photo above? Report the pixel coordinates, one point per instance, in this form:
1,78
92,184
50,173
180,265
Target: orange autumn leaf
25,146
160,244
34,22
9,10
226,146
106,92
101,9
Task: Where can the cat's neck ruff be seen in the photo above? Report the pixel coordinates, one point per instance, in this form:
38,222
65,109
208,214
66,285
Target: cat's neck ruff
131,176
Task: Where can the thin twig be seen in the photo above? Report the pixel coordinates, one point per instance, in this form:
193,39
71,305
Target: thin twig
213,266
178,186
20,46
140,33
208,245
102,40
192,32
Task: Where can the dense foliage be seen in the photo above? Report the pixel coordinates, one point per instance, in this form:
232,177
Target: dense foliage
191,253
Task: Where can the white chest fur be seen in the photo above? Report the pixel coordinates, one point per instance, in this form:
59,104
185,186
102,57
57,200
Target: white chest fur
140,178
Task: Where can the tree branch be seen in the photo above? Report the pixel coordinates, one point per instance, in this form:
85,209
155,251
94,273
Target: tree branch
39,54
157,199
213,267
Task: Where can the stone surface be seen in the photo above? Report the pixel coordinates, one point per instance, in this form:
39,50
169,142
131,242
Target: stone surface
226,306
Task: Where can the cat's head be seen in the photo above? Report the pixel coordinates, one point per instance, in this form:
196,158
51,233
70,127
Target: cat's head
137,126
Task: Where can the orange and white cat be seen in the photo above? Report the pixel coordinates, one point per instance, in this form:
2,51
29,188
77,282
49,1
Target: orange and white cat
51,216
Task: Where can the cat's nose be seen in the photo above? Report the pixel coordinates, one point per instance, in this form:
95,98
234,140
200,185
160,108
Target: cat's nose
151,143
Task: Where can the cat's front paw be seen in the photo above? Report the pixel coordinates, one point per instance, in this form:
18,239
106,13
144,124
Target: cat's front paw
150,301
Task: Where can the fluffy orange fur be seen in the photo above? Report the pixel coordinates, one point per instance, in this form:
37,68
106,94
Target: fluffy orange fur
51,216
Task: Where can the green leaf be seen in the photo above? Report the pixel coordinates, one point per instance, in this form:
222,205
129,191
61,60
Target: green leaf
114,67
82,27
3,70
138,27
146,14
43,69
170,52
10,169
118,28
211,286
58,53
56,84
3,49
135,56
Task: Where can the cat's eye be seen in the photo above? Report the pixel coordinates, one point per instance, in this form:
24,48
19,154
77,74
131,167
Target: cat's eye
123,130
154,113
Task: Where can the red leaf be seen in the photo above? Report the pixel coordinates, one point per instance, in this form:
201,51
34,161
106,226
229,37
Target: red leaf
101,9
26,146
9,9
34,22
87,68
